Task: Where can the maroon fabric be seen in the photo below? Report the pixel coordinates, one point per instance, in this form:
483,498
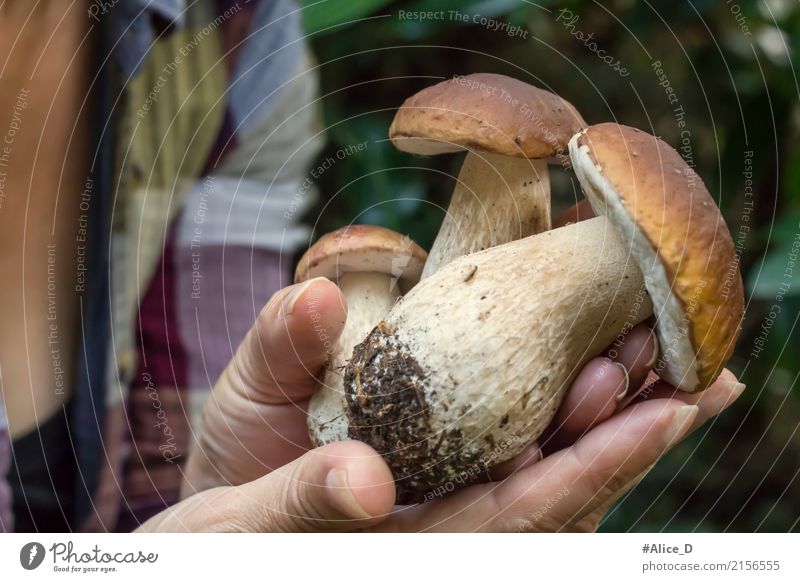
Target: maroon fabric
237,281
157,421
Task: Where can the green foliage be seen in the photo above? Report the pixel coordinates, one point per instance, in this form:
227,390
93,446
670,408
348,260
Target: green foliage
323,16
733,78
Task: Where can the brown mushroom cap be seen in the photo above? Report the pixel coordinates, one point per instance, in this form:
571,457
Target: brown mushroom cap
489,113
680,240
362,248
576,213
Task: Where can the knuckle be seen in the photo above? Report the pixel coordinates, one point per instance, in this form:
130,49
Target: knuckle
607,484
304,511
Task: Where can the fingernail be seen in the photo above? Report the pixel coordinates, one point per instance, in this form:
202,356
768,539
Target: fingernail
654,358
341,495
626,384
539,454
291,299
736,388
680,424
536,454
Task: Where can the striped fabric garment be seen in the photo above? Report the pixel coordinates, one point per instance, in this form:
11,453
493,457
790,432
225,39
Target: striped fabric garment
194,200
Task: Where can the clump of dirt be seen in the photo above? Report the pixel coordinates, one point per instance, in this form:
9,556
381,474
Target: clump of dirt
385,391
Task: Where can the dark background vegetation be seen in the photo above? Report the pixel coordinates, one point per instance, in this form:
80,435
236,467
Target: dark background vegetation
739,93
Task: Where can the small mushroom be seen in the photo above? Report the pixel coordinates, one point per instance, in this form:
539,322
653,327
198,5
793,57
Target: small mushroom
510,130
372,266
462,375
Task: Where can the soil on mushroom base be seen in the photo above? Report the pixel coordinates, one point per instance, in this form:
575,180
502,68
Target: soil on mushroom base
387,409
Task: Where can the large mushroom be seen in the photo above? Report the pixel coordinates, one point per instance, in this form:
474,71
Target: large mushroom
372,266
471,365
511,130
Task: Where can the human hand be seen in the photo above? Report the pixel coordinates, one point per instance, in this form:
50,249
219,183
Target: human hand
254,440
253,469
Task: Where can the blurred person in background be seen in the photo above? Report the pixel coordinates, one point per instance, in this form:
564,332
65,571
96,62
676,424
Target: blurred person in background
153,156
158,147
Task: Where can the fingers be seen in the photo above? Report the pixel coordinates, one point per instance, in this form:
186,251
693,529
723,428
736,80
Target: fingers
591,399
340,487
711,401
572,483
718,397
610,459
637,351
567,485
282,354
591,521
602,385
532,454
248,428
595,468
575,213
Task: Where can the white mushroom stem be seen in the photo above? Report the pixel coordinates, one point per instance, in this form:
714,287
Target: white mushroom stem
491,344
497,199
369,298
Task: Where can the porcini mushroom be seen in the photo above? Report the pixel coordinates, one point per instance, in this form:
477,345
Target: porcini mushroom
510,130
372,266
471,365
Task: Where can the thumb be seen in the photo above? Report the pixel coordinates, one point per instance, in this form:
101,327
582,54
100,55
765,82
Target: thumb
255,419
280,357
341,487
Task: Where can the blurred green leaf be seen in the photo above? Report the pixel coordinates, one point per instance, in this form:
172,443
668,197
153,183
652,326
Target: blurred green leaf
416,27
324,16
775,274
489,8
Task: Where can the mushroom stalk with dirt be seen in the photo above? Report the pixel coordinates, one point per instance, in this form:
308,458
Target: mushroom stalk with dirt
511,131
372,266
473,363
